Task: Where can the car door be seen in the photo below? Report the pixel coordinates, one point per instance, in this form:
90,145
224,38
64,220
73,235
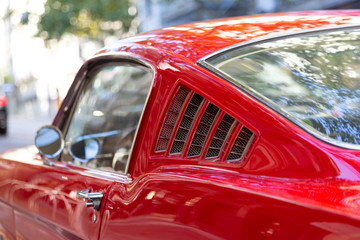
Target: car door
7,226
64,198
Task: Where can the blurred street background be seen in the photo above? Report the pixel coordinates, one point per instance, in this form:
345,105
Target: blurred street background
43,43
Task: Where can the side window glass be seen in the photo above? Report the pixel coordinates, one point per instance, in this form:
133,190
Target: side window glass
104,122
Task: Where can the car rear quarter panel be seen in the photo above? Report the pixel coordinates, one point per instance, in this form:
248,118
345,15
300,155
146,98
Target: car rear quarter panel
185,203
280,149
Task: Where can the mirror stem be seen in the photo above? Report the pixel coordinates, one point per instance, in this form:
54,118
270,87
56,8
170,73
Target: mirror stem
48,162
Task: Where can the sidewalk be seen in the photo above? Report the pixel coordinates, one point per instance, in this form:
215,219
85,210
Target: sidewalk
21,131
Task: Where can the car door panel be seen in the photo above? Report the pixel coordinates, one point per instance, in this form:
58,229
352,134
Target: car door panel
52,196
168,206
7,224
45,198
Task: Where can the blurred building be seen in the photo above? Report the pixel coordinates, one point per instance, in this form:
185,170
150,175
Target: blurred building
155,14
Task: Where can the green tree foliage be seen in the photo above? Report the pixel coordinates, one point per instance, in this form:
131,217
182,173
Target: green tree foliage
93,19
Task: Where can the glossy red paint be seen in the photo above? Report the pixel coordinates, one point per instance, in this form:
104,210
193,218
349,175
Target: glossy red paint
7,220
290,186
45,202
191,207
195,40
3,101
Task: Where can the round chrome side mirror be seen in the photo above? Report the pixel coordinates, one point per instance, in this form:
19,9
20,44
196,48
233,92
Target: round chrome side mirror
49,141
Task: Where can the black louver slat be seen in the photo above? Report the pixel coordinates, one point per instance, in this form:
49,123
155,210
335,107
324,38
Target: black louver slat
240,145
171,119
220,136
186,124
203,130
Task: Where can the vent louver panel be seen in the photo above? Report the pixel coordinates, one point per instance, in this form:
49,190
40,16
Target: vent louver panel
202,130
196,129
186,123
171,119
240,145
220,136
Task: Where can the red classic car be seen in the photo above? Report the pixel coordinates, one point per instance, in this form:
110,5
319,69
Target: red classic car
3,114
241,128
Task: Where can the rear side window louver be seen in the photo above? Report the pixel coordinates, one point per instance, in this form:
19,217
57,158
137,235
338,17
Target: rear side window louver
171,119
196,129
202,130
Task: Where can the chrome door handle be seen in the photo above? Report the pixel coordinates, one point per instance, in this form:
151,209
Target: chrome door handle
94,199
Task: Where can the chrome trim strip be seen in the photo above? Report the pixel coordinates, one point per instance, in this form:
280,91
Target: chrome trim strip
117,56
264,100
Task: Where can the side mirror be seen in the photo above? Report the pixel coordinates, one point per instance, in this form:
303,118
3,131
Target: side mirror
49,141
84,149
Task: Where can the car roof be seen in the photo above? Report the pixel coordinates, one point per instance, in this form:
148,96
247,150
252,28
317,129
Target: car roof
196,40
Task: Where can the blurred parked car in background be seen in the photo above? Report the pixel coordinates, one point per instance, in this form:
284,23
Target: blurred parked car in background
241,128
3,114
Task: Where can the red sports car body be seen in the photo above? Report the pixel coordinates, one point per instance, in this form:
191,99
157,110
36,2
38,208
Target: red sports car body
241,128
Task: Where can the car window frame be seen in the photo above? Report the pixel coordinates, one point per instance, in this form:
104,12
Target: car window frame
82,81
203,62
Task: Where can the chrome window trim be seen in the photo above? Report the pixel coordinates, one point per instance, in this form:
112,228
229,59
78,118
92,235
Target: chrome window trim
80,78
264,100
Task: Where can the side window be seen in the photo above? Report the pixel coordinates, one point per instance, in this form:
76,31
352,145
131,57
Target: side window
104,122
